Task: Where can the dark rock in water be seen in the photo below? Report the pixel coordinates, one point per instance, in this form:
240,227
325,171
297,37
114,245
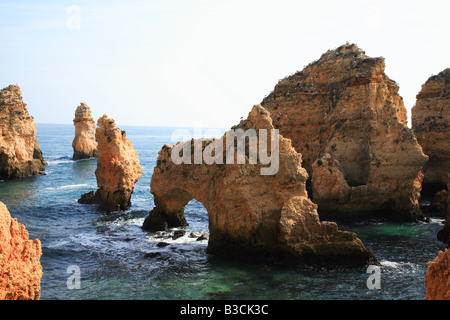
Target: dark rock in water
152,254
192,235
204,236
156,221
444,236
439,203
89,198
162,244
178,234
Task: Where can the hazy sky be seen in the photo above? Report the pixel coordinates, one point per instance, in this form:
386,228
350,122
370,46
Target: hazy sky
187,63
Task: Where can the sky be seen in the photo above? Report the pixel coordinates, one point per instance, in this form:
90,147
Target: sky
197,62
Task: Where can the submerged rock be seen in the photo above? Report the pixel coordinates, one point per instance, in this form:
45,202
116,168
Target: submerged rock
253,216
20,155
21,270
118,168
437,279
84,145
345,105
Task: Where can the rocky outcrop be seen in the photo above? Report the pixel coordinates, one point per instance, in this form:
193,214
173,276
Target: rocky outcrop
437,279
252,216
345,108
431,125
20,267
84,145
118,168
20,155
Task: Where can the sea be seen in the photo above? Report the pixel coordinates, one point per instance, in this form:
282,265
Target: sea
90,255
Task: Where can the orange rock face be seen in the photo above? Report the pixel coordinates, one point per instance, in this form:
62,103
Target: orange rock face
21,271
20,155
437,279
118,167
431,125
84,145
344,105
252,216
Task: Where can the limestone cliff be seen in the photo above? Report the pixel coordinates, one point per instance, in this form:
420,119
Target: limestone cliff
84,145
344,105
431,125
437,279
118,168
251,216
20,267
20,155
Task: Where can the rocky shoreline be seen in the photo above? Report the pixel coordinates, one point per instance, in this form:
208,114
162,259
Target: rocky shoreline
345,153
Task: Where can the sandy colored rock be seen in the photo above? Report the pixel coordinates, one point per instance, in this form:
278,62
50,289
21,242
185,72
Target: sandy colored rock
345,105
437,279
20,155
251,216
20,267
118,168
431,125
84,144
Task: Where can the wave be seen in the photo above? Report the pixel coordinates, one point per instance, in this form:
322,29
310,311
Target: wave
401,266
58,160
70,186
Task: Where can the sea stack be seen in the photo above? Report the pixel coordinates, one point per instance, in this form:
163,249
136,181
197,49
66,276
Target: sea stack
20,155
20,267
431,125
118,168
346,118
437,279
84,145
252,215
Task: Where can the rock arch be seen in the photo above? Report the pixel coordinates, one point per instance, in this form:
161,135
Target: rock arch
252,216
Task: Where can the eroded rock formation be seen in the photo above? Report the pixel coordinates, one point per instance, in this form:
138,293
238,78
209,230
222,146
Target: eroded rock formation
20,155
437,279
118,168
344,106
20,267
84,145
431,125
251,216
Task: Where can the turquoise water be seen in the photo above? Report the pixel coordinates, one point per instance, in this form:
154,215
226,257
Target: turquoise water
118,260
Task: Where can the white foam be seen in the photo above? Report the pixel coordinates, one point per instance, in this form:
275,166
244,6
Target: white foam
390,264
70,186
